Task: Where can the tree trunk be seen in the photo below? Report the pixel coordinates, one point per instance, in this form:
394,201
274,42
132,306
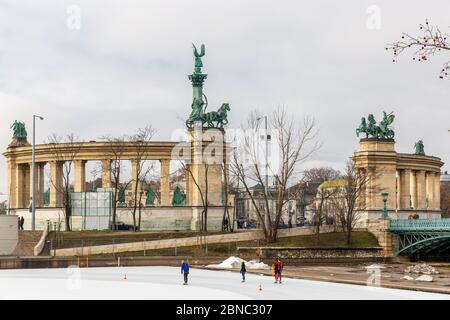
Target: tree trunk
349,235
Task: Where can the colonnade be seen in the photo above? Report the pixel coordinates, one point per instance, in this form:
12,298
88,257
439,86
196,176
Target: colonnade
21,183
418,190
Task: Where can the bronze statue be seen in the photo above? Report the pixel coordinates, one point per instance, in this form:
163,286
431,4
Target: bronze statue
419,148
370,128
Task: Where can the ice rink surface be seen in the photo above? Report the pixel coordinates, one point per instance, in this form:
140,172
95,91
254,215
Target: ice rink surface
165,283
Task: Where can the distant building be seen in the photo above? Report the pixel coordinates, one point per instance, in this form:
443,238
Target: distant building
297,211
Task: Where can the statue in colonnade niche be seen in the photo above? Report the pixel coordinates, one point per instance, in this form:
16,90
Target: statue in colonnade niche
121,196
179,197
150,200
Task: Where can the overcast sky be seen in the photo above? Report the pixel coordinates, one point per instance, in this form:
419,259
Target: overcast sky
126,67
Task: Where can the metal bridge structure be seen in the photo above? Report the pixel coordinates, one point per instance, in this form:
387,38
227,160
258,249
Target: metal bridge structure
421,237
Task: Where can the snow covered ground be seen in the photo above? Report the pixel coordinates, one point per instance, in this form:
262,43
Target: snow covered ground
166,283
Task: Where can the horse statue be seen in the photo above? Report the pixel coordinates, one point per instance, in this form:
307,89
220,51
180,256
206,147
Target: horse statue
362,128
372,130
219,116
384,131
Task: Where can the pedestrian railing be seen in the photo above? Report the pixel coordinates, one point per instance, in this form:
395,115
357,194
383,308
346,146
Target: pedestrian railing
420,225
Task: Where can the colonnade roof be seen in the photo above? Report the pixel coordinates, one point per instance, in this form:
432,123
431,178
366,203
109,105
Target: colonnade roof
92,151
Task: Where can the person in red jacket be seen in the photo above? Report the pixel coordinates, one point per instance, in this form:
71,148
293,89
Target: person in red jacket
278,269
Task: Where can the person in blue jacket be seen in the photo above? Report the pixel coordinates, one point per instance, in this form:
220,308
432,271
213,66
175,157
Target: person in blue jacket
185,271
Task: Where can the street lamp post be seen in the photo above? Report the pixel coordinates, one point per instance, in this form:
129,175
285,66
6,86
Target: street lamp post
33,175
266,176
385,211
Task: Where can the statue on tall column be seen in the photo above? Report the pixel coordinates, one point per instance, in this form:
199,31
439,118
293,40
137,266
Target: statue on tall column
214,119
198,58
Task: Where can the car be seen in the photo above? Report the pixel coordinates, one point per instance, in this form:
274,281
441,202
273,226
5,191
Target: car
123,226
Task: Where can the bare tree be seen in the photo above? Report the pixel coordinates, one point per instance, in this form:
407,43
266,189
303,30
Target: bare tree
141,142
431,41
203,192
295,142
350,201
65,150
324,192
116,148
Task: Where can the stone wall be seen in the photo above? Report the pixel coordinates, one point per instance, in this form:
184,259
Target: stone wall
9,234
153,219
380,229
313,253
181,242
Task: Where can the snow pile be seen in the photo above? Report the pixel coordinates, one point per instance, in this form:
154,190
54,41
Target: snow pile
422,268
375,266
235,262
425,278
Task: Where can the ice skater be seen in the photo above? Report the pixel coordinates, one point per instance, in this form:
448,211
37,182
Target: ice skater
185,271
243,271
277,270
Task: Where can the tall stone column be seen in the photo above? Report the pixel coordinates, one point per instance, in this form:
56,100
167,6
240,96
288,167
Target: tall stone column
106,174
40,186
430,190
413,189
437,191
188,186
405,181
25,186
421,190
134,175
80,176
165,182
12,183
398,190
56,184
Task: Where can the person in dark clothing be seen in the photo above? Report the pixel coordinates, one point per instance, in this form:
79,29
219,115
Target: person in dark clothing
243,271
22,222
185,271
18,223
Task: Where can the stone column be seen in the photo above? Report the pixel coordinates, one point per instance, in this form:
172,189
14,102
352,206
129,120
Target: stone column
25,187
413,189
421,190
405,189
437,191
134,176
398,190
106,174
165,182
188,185
40,179
80,176
39,176
56,184
430,190
12,183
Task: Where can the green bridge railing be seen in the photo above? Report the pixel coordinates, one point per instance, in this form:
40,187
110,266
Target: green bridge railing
418,225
